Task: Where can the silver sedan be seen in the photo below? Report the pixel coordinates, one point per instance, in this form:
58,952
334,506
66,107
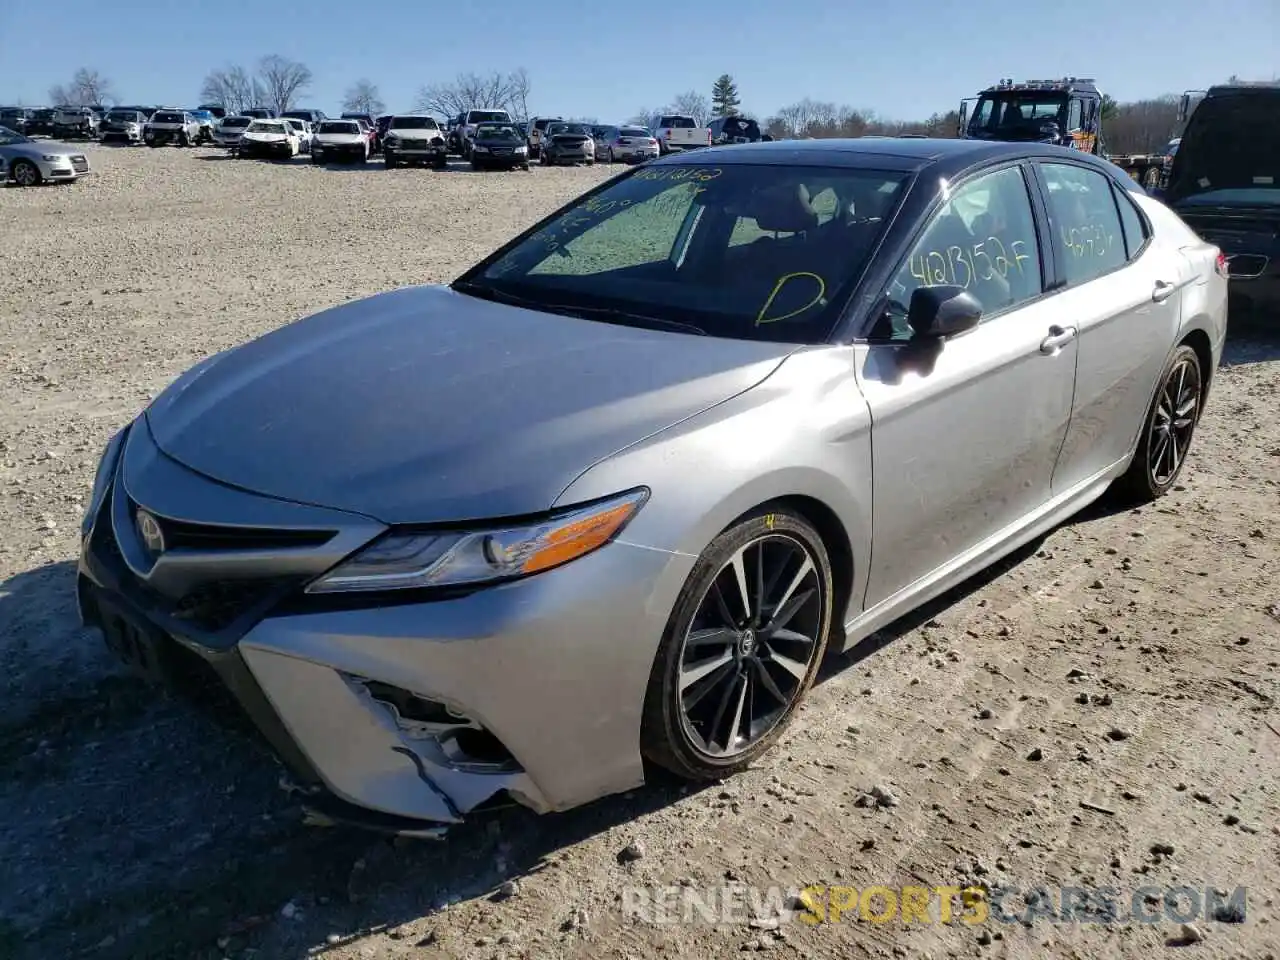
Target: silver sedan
613,493
32,162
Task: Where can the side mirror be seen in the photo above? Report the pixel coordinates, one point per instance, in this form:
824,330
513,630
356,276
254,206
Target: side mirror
937,313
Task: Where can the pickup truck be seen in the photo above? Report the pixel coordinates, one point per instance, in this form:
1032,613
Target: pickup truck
675,133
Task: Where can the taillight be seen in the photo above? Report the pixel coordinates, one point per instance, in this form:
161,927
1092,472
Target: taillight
1220,264
708,136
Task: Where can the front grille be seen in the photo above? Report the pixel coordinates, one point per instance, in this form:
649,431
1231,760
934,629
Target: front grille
413,144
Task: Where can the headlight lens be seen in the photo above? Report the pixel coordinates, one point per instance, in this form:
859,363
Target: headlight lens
522,149
399,561
102,478
50,158
480,148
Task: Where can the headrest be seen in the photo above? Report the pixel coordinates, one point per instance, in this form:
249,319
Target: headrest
783,209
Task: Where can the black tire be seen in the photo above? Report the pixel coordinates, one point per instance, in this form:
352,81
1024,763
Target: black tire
668,734
1166,439
524,167
183,139
441,164
389,159
25,173
316,161
474,165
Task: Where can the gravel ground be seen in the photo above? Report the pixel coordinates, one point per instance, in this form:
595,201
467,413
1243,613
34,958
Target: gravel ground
1099,712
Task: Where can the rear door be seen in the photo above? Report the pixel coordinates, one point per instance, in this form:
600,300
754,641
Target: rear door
1122,292
966,439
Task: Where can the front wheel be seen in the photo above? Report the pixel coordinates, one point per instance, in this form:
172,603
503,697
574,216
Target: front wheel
741,649
1167,431
183,139
25,173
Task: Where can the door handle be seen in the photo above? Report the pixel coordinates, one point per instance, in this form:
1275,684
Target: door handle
1163,291
1058,338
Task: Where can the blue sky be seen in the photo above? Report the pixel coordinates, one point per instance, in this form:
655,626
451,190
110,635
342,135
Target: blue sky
607,59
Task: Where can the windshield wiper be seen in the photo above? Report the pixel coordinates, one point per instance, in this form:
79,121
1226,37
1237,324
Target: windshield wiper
606,314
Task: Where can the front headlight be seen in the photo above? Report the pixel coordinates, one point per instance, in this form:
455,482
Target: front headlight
102,478
51,158
479,148
399,561
522,149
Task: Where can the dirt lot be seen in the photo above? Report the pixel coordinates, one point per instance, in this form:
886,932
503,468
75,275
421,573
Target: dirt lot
1109,691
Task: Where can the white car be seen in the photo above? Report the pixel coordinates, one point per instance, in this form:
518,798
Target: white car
414,139
269,140
229,130
340,141
305,133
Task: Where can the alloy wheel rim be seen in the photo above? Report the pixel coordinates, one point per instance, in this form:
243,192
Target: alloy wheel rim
750,645
25,174
1174,422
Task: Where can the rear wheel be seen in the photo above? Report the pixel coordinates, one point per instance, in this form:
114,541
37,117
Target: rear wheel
741,649
1167,431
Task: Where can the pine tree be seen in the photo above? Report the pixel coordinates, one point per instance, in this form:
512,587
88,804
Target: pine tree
724,96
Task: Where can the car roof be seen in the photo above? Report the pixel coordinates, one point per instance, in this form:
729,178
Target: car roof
891,153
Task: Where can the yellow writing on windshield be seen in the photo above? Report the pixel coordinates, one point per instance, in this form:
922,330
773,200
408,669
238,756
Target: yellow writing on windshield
679,174
783,280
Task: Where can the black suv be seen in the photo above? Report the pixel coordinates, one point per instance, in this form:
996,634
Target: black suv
736,130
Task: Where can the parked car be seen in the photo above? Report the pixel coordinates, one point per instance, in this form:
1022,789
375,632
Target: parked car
218,110
537,129
499,146
269,139
735,130
172,126
312,117
260,113
207,123
694,519
469,121
676,132
628,144
567,143
369,123
230,130
123,126
340,141
30,163
76,122
16,118
413,138
40,122
304,131
601,134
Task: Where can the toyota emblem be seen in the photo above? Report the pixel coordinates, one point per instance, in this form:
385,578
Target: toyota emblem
150,532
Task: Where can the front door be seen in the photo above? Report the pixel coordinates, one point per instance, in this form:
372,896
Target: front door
1122,298
965,448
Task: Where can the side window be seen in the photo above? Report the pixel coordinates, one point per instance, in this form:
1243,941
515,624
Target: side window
983,239
1085,223
1135,228
1075,118
640,234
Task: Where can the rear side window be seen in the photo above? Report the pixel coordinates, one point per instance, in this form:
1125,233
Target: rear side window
1135,228
1086,228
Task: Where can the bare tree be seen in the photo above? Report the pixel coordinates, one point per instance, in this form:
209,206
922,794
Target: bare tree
363,98
88,88
470,91
234,88
519,99
691,103
282,80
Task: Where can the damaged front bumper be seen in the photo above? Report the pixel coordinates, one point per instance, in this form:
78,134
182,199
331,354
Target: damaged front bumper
401,714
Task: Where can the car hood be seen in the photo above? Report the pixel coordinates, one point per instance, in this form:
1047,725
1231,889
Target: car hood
425,405
339,138
39,149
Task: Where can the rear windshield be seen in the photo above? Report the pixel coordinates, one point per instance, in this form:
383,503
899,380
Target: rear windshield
1231,144
633,132
680,123
266,126
339,126
236,122
413,123
296,115
740,127
751,252
542,124
167,118
123,116
480,116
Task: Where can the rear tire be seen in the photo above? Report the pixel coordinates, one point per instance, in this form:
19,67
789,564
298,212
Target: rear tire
726,656
1167,431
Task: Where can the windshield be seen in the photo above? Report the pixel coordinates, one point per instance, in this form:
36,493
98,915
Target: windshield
296,124
339,126
9,137
236,122
1018,114
413,123
265,126
497,133
167,118
1230,152
751,252
123,116
542,124
679,123
480,116
574,129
